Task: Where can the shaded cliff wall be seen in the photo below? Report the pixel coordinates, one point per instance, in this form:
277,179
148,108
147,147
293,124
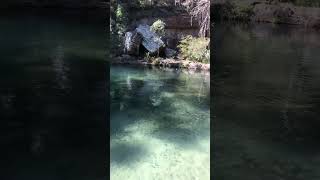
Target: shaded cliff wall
260,11
178,22
53,3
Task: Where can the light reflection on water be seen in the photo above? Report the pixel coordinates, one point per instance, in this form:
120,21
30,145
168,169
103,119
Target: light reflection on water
159,124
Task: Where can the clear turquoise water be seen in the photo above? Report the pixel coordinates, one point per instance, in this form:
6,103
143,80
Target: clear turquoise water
159,124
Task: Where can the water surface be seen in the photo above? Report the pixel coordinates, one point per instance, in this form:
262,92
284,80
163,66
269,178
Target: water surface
52,97
266,101
159,124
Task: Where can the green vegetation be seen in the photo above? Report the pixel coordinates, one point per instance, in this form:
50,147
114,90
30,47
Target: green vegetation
195,49
158,27
146,4
118,22
191,48
121,19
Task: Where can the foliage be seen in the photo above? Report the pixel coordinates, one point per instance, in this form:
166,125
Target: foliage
158,27
118,24
121,18
120,13
195,49
145,4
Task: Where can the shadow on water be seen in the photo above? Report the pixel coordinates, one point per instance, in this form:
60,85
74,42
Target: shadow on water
52,98
266,102
126,154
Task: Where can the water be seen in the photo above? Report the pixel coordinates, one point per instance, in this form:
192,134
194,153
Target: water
266,102
160,124
52,97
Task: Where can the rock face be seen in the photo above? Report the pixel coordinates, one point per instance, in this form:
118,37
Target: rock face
178,22
287,14
150,40
279,13
143,36
132,43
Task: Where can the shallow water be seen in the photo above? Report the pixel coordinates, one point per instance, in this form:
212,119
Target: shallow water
159,124
52,97
266,102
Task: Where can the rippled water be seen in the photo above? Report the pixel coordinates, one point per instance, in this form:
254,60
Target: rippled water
52,97
266,102
159,124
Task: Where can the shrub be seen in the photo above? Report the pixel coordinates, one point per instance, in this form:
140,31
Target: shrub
158,27
195,49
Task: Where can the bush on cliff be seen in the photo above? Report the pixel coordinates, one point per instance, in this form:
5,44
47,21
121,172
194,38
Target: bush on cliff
195,49
158,27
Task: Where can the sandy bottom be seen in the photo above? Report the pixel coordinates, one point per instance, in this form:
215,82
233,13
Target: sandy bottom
160,128
140,155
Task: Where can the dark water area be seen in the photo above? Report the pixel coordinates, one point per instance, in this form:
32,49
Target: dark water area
53,96
266,100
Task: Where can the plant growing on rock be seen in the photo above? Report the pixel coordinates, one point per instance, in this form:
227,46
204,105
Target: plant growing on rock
158,27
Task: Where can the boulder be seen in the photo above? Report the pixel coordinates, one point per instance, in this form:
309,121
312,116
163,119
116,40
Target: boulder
150,40
142,35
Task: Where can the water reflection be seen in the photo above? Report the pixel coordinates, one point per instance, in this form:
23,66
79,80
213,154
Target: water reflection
266,102
52,98
61,68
